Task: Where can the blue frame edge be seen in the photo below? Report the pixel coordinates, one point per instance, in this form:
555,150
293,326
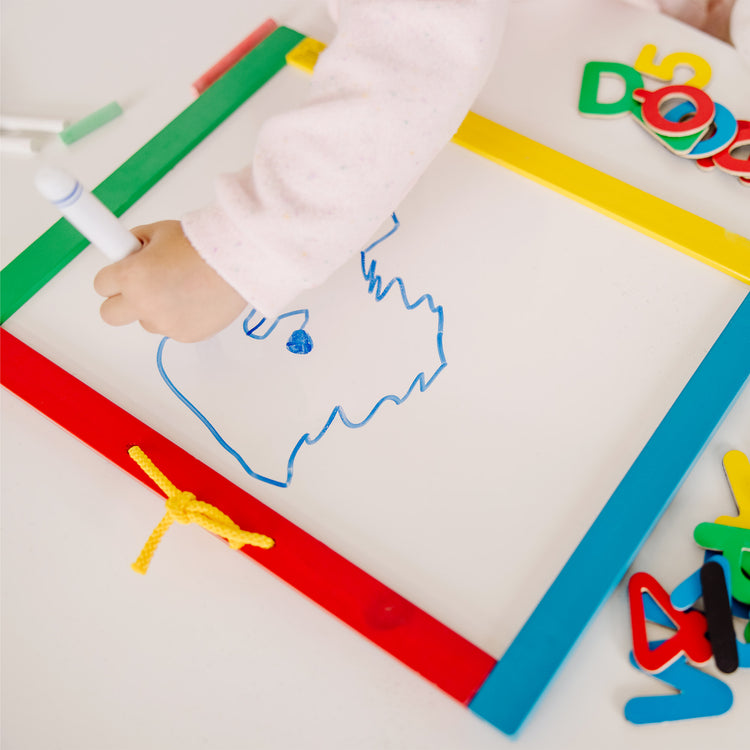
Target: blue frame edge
599,562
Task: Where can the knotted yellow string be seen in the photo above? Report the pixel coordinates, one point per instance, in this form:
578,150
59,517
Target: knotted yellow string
184,508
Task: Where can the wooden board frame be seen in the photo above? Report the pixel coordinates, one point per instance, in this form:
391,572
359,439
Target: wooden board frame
503,692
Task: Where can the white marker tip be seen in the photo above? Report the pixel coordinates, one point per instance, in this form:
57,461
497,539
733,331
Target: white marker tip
55,184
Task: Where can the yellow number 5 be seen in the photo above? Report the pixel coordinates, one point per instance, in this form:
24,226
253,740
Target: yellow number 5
664,71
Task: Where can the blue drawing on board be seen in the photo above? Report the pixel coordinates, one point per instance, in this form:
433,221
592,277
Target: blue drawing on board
300,342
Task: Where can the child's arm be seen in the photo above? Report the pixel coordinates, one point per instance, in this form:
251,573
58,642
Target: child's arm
386,97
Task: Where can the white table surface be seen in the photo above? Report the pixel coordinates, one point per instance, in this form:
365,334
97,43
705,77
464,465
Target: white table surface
209,650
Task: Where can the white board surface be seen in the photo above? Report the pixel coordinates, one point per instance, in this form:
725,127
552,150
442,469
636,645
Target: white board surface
566,338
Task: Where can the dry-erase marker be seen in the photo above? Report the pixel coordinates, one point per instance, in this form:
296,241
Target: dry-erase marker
18,144
90,123
86,213
19,123
234,56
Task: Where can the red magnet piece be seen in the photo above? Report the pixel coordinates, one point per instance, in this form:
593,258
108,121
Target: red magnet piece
724,159
690,638
654,100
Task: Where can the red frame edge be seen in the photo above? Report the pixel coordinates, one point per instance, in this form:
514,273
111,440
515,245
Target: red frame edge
405,631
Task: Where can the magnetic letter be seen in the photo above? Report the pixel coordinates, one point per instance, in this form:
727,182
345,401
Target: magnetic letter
588,102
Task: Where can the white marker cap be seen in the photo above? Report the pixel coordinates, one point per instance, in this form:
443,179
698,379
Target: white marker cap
56,185
86,213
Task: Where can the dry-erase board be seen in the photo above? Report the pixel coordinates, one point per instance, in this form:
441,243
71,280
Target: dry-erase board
552,343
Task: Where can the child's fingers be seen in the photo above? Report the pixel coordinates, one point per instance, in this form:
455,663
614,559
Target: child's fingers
105,284
108,281
116,311
144,232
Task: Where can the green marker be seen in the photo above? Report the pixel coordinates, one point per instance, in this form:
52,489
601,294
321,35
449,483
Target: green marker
88,124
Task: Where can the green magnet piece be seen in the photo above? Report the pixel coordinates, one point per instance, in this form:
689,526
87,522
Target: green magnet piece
588,102
26,274
91,122
734,543
679,144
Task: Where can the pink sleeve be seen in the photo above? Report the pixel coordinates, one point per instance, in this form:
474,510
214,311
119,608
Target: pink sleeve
386,96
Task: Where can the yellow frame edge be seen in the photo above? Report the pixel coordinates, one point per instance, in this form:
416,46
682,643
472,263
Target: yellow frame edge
684,231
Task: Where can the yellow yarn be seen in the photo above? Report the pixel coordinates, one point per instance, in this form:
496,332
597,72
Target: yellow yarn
184,508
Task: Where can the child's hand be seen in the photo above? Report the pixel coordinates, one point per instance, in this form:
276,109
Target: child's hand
168,287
